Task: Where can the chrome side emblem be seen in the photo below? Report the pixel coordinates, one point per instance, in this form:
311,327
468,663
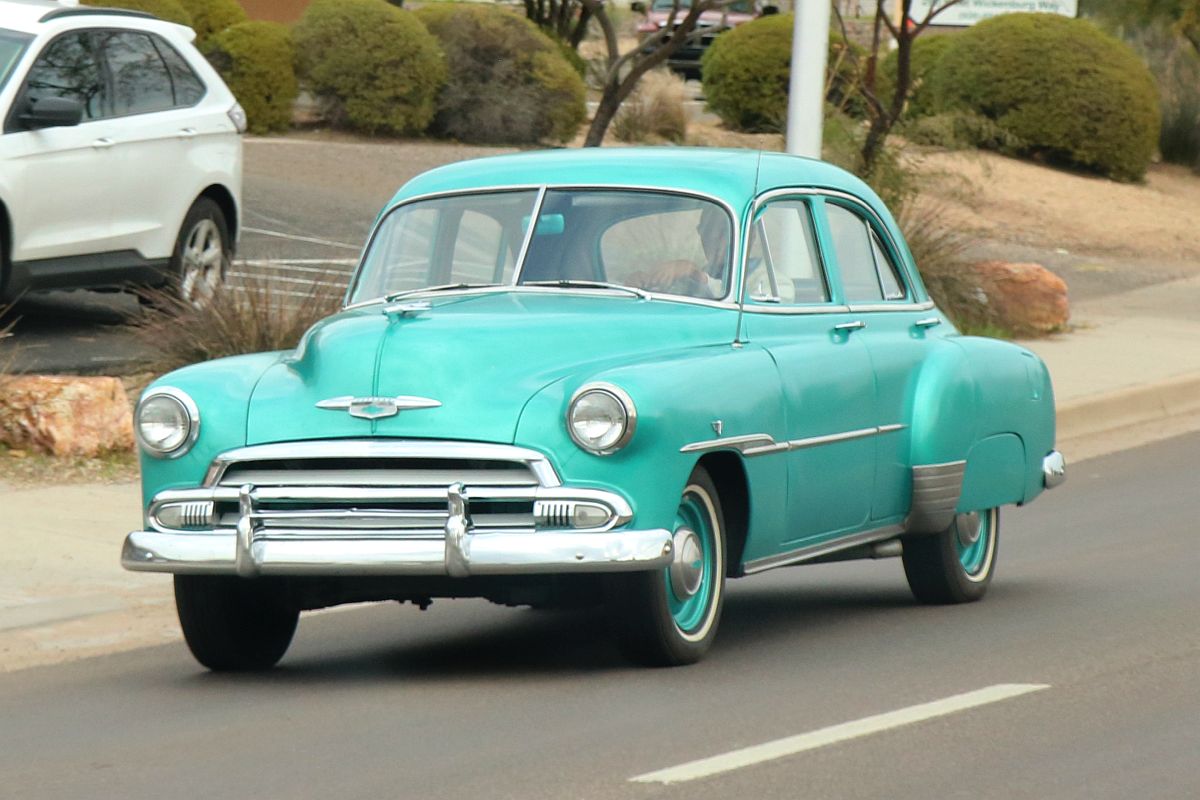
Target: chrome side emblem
376,407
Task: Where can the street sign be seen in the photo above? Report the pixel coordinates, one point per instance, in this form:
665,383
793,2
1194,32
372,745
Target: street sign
968,12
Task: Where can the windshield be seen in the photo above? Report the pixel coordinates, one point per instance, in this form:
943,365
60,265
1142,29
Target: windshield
12,45
655,241
739,7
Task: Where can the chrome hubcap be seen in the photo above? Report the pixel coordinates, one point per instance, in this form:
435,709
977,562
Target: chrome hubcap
969,527
687,567
203,261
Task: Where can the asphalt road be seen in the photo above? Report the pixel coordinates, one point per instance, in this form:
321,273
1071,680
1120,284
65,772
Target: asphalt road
1096,600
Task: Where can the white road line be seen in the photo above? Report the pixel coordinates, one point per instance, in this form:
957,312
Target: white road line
295,238
779,748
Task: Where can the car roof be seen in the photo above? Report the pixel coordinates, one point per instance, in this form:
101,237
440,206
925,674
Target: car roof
29,16
733,176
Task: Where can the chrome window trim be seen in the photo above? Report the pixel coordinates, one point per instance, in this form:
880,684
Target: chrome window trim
762,444
814,551
189,407
538,463
801,191
737,245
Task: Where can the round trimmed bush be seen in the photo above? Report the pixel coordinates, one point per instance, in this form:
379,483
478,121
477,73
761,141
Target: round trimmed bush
745,74
169,10
255,59
510,84
1069,92
374,66
210,17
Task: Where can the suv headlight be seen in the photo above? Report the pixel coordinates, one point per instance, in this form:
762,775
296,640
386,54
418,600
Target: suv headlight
167,422
601,418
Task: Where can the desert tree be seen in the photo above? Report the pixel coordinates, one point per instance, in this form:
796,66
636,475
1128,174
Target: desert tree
567,20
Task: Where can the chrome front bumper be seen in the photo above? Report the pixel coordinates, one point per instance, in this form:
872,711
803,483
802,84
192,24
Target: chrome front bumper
1054,469
511,553
259,537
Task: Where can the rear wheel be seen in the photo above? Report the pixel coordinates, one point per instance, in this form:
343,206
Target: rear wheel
956,565
669,617
234,624
202,253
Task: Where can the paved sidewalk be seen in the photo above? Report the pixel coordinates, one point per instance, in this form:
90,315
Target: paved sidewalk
1131,363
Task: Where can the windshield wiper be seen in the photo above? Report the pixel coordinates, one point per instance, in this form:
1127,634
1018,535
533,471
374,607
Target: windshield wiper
445,287
576,284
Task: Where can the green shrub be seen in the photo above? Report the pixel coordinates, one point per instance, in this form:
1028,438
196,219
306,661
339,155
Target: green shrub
961,130
255,59
1069,92
654,113
170,10
373,66
745,74
926,52
210,17
510,84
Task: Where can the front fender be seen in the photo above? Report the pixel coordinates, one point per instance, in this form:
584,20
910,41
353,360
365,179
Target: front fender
678,401
221,390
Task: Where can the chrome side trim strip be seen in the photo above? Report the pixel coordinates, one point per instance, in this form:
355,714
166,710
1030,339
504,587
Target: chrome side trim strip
936,489
379,448
815,551
762,444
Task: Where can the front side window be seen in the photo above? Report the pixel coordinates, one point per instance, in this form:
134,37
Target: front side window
12,45
69,68
657,241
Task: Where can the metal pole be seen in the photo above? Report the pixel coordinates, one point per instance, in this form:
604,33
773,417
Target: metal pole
806,89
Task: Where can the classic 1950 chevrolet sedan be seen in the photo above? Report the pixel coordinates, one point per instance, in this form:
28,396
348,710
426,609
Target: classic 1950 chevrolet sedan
615,376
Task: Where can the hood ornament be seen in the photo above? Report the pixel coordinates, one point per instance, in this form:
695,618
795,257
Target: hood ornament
377,407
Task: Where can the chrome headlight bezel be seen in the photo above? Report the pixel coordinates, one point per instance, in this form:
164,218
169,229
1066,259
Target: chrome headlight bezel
623,401
190,413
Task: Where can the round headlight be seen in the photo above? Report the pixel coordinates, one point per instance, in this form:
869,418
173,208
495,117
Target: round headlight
601,418
167,423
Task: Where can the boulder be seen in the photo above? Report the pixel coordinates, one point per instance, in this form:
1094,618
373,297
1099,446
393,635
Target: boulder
65,416
1028,299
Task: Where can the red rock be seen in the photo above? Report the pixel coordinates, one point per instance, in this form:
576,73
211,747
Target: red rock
65,416
1026,298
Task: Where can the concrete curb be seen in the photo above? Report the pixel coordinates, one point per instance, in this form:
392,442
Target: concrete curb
1162,400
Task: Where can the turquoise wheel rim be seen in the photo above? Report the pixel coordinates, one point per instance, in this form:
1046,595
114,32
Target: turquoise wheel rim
974,556
691,613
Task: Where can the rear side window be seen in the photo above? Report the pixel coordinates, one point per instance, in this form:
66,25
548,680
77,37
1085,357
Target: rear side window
189,89
140,81
868,275
69,68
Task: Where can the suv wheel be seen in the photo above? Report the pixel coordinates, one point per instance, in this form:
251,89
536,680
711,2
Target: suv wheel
202,253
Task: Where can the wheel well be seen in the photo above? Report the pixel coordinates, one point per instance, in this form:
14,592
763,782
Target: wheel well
729,475
223,198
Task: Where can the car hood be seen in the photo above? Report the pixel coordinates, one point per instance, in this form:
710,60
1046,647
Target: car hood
481,357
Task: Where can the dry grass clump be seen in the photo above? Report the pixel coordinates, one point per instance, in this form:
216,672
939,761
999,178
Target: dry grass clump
655,112
255,315
940,253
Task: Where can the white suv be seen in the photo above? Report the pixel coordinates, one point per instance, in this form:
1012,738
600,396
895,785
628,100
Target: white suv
120,155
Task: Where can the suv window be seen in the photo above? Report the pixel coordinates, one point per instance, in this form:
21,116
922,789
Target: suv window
69,68
12,45
188,87
140,81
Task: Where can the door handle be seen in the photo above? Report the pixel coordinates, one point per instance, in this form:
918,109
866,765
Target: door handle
847,327
187,133
928,322
103,143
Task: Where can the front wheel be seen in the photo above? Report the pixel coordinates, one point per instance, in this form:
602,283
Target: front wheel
234,624
669,617
956,565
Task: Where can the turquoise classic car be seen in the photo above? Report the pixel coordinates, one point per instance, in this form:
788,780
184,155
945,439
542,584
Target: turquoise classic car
618,376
